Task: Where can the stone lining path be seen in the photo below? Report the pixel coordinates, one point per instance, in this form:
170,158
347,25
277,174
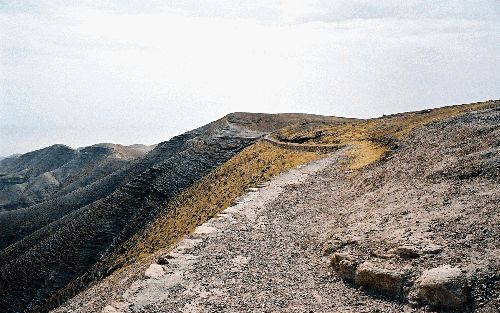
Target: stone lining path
325,148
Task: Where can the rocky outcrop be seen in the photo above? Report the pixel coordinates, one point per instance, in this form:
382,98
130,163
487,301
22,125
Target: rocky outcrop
345,265
370,275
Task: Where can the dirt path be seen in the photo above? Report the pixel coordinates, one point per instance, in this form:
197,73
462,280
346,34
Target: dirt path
262,254
300,146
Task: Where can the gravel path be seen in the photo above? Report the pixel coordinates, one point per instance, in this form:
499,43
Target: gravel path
431,203
261,255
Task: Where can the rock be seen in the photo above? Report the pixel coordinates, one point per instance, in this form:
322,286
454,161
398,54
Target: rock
406,251
115,307
380,279
108,309
331,246
163,259
432,249
154,271
441,287
382,255
345,265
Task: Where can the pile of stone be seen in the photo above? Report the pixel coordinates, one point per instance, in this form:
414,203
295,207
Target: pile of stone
440,287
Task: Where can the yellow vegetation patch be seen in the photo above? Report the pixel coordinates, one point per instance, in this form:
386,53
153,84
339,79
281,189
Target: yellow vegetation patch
367,137
364,153
212,194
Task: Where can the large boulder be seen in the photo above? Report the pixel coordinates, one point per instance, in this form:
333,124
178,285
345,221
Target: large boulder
441,287
380,279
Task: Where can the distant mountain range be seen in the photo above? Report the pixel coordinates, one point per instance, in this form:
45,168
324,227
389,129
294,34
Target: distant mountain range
33,177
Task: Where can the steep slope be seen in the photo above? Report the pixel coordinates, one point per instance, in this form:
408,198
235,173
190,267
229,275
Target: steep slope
428,216
71,238
90,174
397,200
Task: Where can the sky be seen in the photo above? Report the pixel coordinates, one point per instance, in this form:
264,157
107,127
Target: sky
84,72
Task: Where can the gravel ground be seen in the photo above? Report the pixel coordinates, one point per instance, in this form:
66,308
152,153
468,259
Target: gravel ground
262,254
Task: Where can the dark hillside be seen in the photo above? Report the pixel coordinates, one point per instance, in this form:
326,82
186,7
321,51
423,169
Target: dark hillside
72,232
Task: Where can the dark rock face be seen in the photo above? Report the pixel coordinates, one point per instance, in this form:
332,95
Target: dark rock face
59,240
39,161
18,173
6,179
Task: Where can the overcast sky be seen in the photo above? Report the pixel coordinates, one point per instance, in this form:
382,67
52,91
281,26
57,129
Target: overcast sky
82,72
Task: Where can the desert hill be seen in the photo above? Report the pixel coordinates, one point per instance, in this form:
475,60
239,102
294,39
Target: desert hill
286,213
